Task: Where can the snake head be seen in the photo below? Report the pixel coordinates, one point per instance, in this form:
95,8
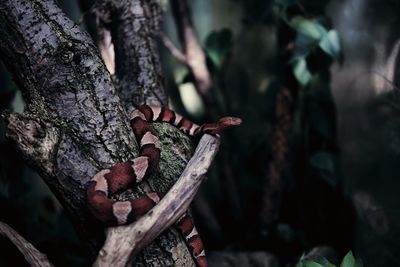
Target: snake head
222,124
226,122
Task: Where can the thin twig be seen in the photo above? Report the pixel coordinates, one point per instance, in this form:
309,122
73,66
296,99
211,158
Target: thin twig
175,52
195,56
33,256
106,48
120,247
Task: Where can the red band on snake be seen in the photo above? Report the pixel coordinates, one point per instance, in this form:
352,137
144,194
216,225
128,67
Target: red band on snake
127,174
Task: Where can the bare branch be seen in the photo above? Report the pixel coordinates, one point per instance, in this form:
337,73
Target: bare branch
175,52
106,48
195,56
194,52
125,241
33,256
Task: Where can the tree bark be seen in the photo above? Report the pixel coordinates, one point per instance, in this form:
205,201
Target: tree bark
75,124
134,26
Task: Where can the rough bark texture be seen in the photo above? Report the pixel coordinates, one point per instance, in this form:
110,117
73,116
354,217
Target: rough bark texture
70,101
134,26
285,104
272,189
75,124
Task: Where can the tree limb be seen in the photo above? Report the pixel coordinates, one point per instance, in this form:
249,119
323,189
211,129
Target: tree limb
175,52
134,27
195,56
34,257
119,247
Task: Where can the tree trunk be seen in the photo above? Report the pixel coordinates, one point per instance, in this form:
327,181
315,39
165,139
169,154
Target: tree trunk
75,122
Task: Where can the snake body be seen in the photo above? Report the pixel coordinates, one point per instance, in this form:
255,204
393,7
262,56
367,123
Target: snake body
128,174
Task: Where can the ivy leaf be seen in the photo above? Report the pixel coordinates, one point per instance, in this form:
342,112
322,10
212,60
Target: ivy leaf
317,264
312,264
350,261
218,45
301,72
319,261
310,28
303,46
330,44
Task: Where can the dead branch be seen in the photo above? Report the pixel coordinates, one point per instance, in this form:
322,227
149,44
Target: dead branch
120,246
106,48
175,52
33,256
194,53
194,57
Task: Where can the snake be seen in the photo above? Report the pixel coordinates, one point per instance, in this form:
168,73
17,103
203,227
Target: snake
130,173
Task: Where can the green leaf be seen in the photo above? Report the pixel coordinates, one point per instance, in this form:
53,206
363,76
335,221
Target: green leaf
323,261
303,45
218,45
312,264
319,261
350,261
310,28
301,71
330,44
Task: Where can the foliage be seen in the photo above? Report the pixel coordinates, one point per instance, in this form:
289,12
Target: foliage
316,46
348,261
218,45
311,34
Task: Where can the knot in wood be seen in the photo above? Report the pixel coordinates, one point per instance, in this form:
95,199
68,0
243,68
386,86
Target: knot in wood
102,253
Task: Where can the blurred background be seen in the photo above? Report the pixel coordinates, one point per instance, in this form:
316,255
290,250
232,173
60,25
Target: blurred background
315,165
